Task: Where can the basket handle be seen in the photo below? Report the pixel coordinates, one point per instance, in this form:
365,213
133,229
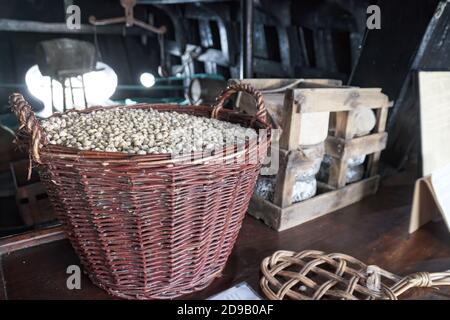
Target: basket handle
261,113
27,119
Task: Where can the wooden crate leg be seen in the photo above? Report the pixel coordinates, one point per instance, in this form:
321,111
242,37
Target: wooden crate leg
338,173
290,137
380,126
345,122
373,164
285,181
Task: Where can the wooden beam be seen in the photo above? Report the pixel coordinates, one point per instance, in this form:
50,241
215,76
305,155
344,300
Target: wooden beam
380,126
344,124
52,27
339,99
31,239
291,164
285,180
328,202
284,184
266,84
290,137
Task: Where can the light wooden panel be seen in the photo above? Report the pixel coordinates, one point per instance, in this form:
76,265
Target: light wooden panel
434,92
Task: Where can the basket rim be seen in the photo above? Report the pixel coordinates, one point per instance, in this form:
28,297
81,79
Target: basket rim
31,129
227,151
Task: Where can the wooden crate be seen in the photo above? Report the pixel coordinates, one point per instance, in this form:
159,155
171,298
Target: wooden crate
342,103
31,197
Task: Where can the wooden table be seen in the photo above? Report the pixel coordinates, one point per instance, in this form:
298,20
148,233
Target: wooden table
373,230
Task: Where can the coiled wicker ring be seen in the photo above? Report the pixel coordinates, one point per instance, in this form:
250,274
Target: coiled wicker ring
314,275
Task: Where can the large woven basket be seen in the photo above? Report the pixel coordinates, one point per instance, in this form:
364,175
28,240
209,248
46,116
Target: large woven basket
152,226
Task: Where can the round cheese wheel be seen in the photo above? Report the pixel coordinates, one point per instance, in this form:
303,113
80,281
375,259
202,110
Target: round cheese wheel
313,128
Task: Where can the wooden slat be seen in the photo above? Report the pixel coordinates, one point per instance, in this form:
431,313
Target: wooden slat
366,145
381,118
338,173
339,99
302,159
323,187
285,181
31,239
266,211
346,149
290,137
270,83
282,219
380,126
328,202
291,164
344,124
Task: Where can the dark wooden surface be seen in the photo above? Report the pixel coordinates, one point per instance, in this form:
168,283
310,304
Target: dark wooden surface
373,230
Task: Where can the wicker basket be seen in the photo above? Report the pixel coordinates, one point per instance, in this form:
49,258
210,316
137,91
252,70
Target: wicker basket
152,226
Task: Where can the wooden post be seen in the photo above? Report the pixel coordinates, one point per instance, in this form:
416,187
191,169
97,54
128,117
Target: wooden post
285,180
380,126
344,130
290,138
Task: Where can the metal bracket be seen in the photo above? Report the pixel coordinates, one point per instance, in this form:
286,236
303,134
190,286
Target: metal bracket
128,19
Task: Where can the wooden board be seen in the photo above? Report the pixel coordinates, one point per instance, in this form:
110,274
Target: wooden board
434,120
299,213
290,123
339,99
380,126
274,93
291,163
271,84
31,239
346,149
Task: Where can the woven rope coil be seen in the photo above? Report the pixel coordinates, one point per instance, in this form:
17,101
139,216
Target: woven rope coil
149,226
313,275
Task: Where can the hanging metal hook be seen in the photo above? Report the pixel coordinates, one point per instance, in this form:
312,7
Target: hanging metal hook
128,19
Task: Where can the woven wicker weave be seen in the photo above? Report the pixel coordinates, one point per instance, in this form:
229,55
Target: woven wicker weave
149,226
314,275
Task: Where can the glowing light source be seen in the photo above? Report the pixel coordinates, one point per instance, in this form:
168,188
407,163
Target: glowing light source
99,87
129,102
147,79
